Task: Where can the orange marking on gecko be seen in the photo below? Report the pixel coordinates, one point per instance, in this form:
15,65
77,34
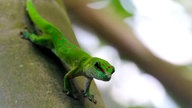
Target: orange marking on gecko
66,43
59,38
75,49
108,67
69,46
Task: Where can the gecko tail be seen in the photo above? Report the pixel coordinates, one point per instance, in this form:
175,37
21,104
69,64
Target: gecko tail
38,20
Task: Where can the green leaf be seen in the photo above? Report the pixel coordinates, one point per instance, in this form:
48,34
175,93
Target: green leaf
120,8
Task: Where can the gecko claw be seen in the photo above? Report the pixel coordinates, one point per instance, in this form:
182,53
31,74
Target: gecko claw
67,93
92,99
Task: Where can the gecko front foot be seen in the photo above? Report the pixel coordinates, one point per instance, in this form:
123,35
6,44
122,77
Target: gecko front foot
89,96
25,34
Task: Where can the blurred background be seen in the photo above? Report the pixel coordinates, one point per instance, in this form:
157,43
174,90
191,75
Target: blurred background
164,27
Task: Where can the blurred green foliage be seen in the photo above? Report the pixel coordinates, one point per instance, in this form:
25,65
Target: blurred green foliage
124,8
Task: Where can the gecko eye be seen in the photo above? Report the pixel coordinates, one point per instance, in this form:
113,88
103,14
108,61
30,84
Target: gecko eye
99,67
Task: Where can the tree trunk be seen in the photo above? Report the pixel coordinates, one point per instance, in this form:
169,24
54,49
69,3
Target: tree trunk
32,77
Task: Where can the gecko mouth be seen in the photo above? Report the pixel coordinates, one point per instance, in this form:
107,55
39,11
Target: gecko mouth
107,78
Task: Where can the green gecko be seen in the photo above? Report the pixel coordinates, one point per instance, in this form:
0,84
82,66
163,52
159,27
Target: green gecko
79,62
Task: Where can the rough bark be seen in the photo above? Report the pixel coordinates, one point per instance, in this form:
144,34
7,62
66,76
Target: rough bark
32,77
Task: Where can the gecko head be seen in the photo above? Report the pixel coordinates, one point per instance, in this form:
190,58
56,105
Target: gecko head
100,69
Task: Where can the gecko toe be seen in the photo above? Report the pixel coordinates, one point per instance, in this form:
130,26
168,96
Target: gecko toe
25,34
92,99
95,101
89,96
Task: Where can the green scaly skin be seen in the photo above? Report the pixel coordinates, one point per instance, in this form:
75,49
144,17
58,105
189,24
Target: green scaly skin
79,62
